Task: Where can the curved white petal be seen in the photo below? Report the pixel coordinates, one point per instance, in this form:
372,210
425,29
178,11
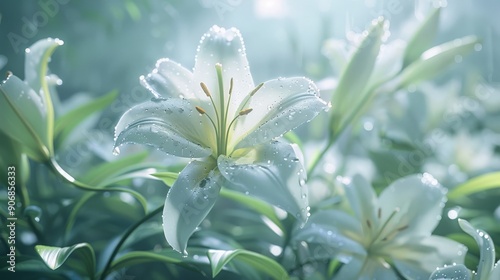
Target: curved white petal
363,201
418,259
226,47
278,107
271,172
189,201
365,269
452,272
495,273
483,240
169,79
418,201
330,234
169,125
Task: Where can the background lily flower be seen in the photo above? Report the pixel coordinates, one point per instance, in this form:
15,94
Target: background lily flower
486,270
391,231
218,114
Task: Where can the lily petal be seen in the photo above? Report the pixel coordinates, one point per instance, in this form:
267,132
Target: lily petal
189,200
407,195
362,200
169,79
365,269
225,47
418,259
330,234
271,172
278,107
453,272
483,240
169,125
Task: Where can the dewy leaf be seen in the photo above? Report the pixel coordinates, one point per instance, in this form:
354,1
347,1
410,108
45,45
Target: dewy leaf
220,258
189,200
253,203
67,123
476,184
25,118
483,240
35,74
79,257
105,170
356,74
271,172
434,60
422,38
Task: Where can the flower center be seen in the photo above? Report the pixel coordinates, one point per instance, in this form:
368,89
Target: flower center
385,232
220,124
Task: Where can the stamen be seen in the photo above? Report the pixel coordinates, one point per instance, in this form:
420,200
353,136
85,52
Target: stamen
369,224
385,236
200,110
245,112
254,91
403,228
205,89
379,214
231,86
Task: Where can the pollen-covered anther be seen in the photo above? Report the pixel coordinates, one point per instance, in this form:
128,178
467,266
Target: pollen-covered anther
231,86
256,89
245,112
205,89
200,110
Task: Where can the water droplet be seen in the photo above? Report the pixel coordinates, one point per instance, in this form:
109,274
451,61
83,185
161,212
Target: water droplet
116,151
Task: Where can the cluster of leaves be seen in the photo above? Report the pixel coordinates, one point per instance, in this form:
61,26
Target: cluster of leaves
105,224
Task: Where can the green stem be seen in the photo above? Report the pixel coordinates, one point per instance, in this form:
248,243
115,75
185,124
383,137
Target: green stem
54,165
25,202
124,238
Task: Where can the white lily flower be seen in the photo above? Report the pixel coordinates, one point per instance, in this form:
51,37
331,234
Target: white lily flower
384,234
218,114
486,270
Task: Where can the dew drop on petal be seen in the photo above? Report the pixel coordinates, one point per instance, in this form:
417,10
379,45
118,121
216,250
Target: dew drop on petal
116,151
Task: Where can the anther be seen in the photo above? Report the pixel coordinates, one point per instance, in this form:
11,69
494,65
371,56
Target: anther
368,224
231,86
205,89
245,112
403,228
256,89
200,110
379,212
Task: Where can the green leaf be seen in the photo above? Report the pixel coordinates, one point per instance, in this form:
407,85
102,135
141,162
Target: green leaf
105,171
220,258
167,177
26,115
195,262
253,203
477,184
356,74
434,60
67,123
422,38
79,257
